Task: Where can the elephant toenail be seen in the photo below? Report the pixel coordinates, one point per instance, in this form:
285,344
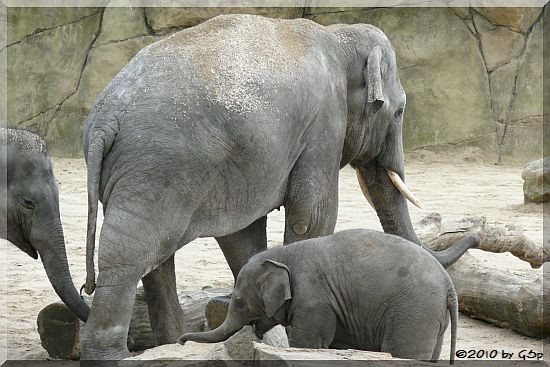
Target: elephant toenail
299,228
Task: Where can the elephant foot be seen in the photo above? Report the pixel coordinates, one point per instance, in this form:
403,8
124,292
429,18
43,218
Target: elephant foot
216,310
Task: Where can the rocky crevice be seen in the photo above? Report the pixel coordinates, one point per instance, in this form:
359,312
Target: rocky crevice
482,53
70,65
310,12
502,132
84,65
501,141
96,35
41,30
150,29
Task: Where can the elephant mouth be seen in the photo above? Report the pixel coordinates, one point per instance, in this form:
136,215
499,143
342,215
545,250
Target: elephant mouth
32,253
27,248
17,238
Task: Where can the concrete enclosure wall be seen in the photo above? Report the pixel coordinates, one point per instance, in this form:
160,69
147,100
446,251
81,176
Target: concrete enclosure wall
473,76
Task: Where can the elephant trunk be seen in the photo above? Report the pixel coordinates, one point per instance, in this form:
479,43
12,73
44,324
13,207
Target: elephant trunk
54,259
452,254
230,326
391,207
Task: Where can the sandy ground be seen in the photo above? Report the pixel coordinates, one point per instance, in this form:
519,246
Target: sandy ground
453,187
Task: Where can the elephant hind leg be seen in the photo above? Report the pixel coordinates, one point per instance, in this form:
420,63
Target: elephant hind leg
437,350
129,246
165,313
412,339
105,333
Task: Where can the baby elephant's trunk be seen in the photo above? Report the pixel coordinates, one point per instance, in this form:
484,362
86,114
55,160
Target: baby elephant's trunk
229,327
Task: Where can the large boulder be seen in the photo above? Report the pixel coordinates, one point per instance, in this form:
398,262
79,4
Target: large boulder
239,347
536,185
190,351
244,347
327,357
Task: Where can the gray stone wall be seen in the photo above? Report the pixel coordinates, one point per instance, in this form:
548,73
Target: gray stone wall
473,76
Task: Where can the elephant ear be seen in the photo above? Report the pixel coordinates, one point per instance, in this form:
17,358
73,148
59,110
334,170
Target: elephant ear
276,287
373,78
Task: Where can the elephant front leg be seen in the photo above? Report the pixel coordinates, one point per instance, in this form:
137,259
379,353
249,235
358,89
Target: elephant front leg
237,248
240,246
312,327
165,313
311,206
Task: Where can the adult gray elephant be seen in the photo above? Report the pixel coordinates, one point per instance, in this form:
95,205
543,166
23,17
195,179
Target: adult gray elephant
205,132
29,211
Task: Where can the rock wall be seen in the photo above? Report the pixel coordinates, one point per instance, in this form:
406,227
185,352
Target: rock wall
473,76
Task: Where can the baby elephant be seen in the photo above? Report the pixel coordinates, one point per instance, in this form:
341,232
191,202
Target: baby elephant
29,211
355,289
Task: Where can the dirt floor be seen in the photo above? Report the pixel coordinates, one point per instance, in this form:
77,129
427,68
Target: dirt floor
453,186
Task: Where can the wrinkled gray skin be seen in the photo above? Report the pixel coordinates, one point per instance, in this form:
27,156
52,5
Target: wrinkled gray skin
356,289
29,211
205,132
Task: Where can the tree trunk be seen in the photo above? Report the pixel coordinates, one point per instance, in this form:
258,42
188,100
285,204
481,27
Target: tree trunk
494,238
60,329
501,298
496,296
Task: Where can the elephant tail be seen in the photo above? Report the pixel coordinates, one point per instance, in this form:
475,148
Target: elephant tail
452,306
449,256
99,142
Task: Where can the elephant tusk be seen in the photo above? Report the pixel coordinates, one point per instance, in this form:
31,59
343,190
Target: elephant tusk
400,185
364,188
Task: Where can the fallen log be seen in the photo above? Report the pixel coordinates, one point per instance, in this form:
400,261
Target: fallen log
60,329
502,298
494,238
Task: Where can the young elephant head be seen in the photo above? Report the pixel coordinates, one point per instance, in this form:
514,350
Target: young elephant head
261,294
29,215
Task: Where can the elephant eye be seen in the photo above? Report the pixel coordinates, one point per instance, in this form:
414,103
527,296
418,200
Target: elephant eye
27,203
398,113
239,302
